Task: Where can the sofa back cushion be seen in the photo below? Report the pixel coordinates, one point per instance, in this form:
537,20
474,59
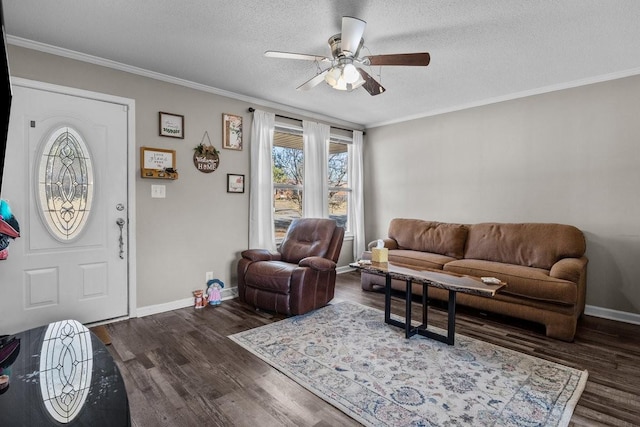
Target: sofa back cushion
530,244
429,236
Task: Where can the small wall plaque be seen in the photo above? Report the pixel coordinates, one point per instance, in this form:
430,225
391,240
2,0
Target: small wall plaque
158,163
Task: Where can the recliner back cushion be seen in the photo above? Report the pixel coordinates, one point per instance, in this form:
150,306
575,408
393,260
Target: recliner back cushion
530,244
429,236
307,237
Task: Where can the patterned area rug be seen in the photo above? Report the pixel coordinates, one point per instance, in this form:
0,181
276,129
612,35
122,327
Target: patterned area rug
348,356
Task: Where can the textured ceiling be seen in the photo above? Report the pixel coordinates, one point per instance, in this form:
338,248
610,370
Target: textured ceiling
480,51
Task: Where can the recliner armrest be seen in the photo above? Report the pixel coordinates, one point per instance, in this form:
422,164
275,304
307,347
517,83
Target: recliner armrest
260,255
317,263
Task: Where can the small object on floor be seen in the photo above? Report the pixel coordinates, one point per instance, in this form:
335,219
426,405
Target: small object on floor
102,333
199,301
213,291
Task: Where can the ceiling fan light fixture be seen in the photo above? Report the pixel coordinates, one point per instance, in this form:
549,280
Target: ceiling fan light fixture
341,84
332,76
357,83
350,73
346,46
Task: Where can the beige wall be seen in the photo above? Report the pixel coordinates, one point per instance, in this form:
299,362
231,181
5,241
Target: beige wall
198,227
570,156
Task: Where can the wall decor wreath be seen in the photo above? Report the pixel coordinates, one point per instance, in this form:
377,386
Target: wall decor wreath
206,158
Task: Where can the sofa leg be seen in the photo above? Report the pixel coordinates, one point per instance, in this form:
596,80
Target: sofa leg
565,330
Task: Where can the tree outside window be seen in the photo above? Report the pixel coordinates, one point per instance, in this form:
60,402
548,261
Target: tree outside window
288,174
339,191
288,177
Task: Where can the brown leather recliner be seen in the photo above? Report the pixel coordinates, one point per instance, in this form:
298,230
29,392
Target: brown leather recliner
301,276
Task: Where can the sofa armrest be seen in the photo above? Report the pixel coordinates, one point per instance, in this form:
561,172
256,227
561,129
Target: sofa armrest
569,269
389,243
317,263
260,255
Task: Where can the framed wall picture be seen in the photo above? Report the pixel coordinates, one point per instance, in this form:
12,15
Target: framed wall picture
231,132
235,183
171,125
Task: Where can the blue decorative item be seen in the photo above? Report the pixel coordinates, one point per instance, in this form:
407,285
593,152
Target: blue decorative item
9,228
213,291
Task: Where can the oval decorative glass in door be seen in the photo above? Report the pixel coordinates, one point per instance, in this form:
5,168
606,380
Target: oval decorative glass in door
65,181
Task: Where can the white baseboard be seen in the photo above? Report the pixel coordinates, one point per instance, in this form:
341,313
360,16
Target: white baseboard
344,269
607,313
227,294
230,293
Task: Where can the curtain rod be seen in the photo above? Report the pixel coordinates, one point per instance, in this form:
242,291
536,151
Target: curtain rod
251,110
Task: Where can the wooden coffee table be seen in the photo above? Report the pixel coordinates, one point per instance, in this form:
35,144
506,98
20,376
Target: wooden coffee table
452,282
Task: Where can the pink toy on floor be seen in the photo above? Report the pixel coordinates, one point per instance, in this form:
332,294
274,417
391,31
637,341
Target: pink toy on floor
213,291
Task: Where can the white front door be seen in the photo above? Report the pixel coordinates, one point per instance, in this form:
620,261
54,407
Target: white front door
66,181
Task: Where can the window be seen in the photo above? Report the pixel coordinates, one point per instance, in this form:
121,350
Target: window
65,184
339,190
288,176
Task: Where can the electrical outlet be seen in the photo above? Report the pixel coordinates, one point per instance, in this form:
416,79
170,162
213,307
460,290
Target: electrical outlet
208,275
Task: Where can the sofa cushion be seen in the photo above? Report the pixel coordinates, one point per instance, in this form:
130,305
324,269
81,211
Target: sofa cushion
532,244
429,236
529,282
419,259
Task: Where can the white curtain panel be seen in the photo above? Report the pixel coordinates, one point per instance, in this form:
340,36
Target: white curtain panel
356,214
315,193
261,229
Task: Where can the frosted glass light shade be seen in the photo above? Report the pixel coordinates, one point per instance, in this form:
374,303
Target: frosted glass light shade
350,74
332,76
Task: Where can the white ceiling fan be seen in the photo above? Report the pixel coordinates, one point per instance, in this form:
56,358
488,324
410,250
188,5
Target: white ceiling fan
344,71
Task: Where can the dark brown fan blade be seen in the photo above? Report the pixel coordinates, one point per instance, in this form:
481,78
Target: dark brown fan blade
411,59
370,84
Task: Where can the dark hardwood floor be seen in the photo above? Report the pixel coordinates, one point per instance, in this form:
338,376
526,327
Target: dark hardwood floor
181,370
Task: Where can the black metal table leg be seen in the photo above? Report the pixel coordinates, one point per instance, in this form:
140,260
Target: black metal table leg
387,299
387,305
407,323
425,305
409,331
451,322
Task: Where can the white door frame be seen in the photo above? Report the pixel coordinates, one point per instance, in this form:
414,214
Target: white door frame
129,105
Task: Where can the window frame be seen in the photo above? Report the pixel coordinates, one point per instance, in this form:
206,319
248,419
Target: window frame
283,127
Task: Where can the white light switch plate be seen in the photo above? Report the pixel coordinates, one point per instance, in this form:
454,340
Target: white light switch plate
158,191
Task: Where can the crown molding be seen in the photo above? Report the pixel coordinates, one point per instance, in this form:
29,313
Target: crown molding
78,56
42,47
516,95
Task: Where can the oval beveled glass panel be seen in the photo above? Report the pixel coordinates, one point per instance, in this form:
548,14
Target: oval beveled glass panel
65,184
66,369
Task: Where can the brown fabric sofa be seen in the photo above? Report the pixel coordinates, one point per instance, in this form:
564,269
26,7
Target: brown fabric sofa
543,264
